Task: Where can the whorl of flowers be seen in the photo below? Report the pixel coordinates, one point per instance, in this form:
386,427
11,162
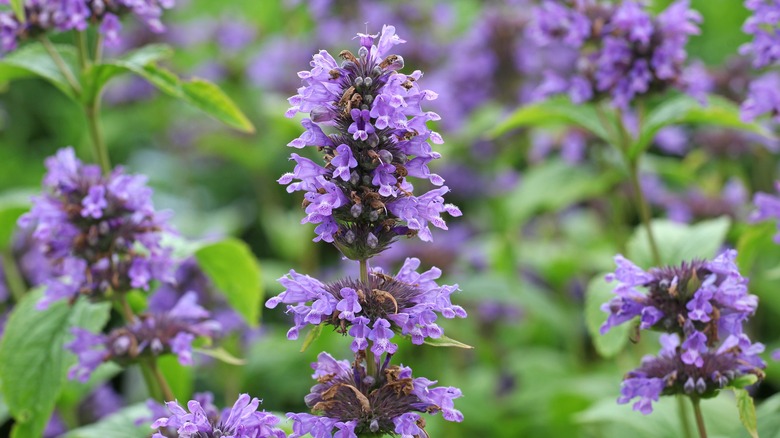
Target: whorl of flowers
203,420
671,373
100,232
624,51
408,303
351,403
376,137
42,16
702,306
152,334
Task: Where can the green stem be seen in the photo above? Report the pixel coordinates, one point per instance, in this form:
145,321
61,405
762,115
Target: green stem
370,359
684,419
699,417
644,209
81,45
99,149
12,276
61,65
155,381
99,48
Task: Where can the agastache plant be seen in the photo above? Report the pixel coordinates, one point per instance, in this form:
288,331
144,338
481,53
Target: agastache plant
701,306
624,51
367,119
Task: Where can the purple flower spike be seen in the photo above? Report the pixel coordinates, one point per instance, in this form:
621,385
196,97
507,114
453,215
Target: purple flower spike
92,227
377,140
624,51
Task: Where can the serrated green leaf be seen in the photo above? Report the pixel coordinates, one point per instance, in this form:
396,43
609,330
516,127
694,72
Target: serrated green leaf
686,110
234,270
33,362
209,98
122,424
312,336
220,354
747,411
444,341
34,60
612,342
678,242
555,111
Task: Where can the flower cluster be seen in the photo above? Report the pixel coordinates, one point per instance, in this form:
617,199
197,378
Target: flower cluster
101,233
41,16
702,306
205,420
768,208
151,334
407,303
354,403
624,51
762,25
361,198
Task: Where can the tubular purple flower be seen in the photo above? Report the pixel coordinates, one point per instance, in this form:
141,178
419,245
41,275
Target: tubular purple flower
368,119
203,419
100,233
629,52
351,403
408,303
153,334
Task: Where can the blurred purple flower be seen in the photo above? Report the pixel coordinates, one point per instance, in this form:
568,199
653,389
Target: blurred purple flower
91,228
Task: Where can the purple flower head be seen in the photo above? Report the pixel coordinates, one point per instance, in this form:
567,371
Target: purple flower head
152,334
43,16
763,98
347,402
99,232
628,53
674,371
699,296
203,419
409,304
368,119
767,207
763,25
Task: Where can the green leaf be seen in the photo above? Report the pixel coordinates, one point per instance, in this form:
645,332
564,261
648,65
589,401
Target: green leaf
135,61
744,381
555,111
754,242
34,60
554,185
234,270
678,242
220,354
445,341
612,342
685,109
12,205
312,336
122,424
18,8
747,411
209,98
33,362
